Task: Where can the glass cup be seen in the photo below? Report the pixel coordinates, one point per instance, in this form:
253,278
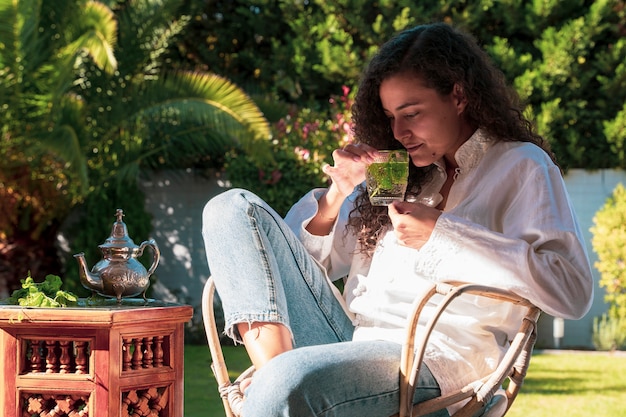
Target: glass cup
387,177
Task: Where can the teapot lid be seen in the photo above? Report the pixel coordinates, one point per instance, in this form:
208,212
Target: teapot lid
119,234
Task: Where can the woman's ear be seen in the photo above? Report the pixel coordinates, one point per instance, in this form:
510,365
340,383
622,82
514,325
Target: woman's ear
458,95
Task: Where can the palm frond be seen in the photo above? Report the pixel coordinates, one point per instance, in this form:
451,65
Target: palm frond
67,144
19,22
97,36
205,103
164,35
220,93
147,27
188,113
187,130
64,140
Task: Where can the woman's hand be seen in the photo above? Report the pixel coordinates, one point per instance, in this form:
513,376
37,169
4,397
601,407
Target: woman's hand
350,165
348,171
413,223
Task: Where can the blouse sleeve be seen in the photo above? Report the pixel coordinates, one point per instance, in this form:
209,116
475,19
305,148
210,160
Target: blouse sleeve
334,251
533,246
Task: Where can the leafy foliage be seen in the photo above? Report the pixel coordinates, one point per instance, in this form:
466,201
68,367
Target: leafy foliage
303,141
44,294
566,59
92,92
609,235
88,100
609,334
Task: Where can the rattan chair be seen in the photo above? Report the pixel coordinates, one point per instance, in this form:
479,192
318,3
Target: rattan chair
491,396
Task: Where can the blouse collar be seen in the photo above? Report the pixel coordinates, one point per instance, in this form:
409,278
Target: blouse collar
467,156
470,152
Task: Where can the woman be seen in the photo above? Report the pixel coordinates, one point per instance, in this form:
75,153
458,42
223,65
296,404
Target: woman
486,203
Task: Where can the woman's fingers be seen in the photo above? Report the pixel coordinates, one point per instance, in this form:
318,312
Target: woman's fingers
359,152
413,223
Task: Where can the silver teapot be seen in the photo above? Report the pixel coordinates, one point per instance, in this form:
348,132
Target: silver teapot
119,273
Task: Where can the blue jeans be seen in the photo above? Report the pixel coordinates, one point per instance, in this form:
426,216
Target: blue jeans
263,273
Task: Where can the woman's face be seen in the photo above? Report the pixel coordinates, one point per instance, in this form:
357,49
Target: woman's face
430,126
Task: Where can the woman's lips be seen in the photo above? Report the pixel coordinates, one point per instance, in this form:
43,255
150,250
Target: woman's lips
414,148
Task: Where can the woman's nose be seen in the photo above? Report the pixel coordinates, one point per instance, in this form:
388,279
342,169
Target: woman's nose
399,129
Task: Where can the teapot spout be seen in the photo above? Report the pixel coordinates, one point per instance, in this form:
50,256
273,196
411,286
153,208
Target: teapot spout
90,281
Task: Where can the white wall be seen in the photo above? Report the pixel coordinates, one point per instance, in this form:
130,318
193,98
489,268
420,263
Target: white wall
176,199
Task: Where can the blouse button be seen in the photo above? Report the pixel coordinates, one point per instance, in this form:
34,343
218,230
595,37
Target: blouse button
359,290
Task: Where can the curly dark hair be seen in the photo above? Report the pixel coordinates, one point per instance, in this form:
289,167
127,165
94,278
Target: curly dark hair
442,56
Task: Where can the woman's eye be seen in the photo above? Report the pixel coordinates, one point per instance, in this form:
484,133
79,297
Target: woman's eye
410,115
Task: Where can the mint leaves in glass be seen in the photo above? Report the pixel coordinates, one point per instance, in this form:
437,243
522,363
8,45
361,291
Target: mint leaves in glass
387,177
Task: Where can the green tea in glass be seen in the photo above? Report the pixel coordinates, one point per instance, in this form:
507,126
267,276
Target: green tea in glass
387,177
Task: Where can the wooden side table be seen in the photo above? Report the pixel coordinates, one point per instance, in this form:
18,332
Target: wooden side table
104,361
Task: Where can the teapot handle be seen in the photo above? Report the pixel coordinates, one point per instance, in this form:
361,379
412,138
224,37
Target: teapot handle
156,254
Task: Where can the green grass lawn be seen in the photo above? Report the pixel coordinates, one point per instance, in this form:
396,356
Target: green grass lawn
565,384
573,385
201,396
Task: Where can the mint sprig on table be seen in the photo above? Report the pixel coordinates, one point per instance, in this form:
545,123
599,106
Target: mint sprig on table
43,294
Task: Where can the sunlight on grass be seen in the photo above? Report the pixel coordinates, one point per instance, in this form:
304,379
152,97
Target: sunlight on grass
566,384
573,385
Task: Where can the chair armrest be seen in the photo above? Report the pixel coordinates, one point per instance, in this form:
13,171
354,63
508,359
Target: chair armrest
218,364
514,362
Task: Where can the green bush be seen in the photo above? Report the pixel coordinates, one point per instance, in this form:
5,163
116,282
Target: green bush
609,333
609,237
565,58
303,141
90,100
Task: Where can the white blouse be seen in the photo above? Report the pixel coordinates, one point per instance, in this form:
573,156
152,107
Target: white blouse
508,223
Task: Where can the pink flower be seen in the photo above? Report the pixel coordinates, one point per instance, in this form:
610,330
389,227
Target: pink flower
302,153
